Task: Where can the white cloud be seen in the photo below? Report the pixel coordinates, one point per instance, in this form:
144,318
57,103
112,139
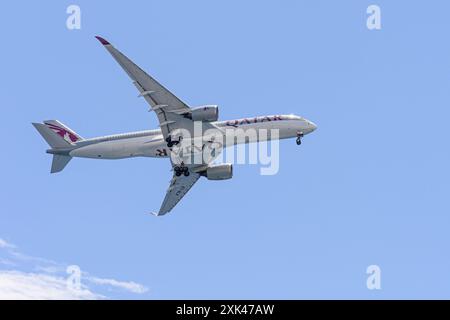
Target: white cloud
128,286
5,245
25,286
7,262
48,279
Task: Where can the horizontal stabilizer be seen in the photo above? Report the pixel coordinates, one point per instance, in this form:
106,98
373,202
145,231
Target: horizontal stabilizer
59,162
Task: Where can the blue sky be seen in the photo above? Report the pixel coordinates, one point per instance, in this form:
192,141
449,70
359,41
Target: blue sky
370,186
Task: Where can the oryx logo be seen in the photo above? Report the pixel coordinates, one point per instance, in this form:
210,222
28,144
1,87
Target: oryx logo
64,133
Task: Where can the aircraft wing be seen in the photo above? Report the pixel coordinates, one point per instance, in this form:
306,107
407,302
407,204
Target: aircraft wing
178,187
172,114
170,110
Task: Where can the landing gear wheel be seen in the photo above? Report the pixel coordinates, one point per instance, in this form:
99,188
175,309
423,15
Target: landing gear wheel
299,138
179,170
169,142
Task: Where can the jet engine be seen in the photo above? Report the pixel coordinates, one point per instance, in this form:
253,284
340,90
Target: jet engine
219,172
205,113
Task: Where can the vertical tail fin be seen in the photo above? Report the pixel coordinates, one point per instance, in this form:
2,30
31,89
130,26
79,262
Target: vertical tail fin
53,139
57,134
63,131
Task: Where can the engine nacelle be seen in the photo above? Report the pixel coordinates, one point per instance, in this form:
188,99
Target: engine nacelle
205,113
219,172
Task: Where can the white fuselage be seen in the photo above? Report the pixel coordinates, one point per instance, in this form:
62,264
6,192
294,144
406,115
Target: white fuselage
150,143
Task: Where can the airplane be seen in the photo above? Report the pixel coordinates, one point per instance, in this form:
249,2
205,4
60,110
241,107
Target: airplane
174,116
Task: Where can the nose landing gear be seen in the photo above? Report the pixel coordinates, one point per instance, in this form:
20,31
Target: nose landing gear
299,138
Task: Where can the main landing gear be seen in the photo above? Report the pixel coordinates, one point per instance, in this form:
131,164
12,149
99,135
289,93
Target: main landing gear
299,138
179,170
171,143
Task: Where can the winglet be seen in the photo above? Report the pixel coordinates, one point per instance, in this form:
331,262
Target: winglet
102,41
155,213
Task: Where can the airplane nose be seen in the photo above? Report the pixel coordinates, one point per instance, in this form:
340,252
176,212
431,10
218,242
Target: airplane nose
312,126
